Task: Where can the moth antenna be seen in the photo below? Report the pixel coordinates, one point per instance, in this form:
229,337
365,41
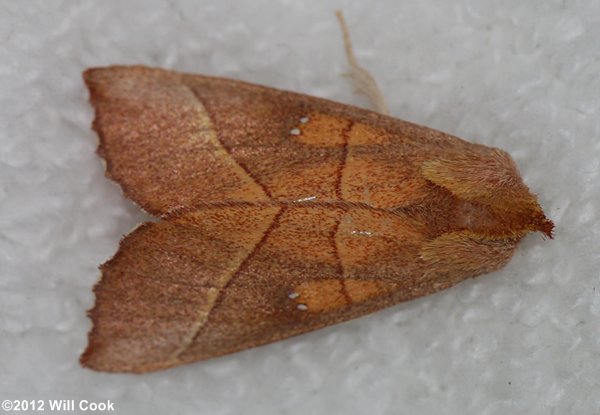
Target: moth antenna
362,79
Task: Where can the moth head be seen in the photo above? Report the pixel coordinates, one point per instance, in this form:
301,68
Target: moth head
489,178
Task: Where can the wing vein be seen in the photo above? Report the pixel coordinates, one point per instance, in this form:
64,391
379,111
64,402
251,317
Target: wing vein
340,172
340,264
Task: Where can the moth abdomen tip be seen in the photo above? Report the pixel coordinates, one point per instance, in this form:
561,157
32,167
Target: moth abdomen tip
547,227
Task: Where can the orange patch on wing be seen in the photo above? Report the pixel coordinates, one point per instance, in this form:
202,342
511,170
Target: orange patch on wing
321,130
320,296
304,235
361,290
375,237
362,134
383,184
317,182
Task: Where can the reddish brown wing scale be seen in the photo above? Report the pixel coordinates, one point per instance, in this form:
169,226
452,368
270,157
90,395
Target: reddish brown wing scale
281,213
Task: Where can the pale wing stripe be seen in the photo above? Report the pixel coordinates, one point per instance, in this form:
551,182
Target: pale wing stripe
240,260
209,133
198,324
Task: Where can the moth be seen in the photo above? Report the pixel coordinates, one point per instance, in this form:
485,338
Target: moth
280,213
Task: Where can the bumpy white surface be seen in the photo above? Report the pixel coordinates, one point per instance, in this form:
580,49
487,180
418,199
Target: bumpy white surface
520,75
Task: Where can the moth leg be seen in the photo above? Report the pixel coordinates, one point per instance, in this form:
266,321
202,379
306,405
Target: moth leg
362,79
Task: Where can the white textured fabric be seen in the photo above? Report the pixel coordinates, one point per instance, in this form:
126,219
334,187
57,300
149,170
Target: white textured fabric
520,75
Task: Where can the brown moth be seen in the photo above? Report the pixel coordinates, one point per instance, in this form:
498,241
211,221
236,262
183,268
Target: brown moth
280,214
